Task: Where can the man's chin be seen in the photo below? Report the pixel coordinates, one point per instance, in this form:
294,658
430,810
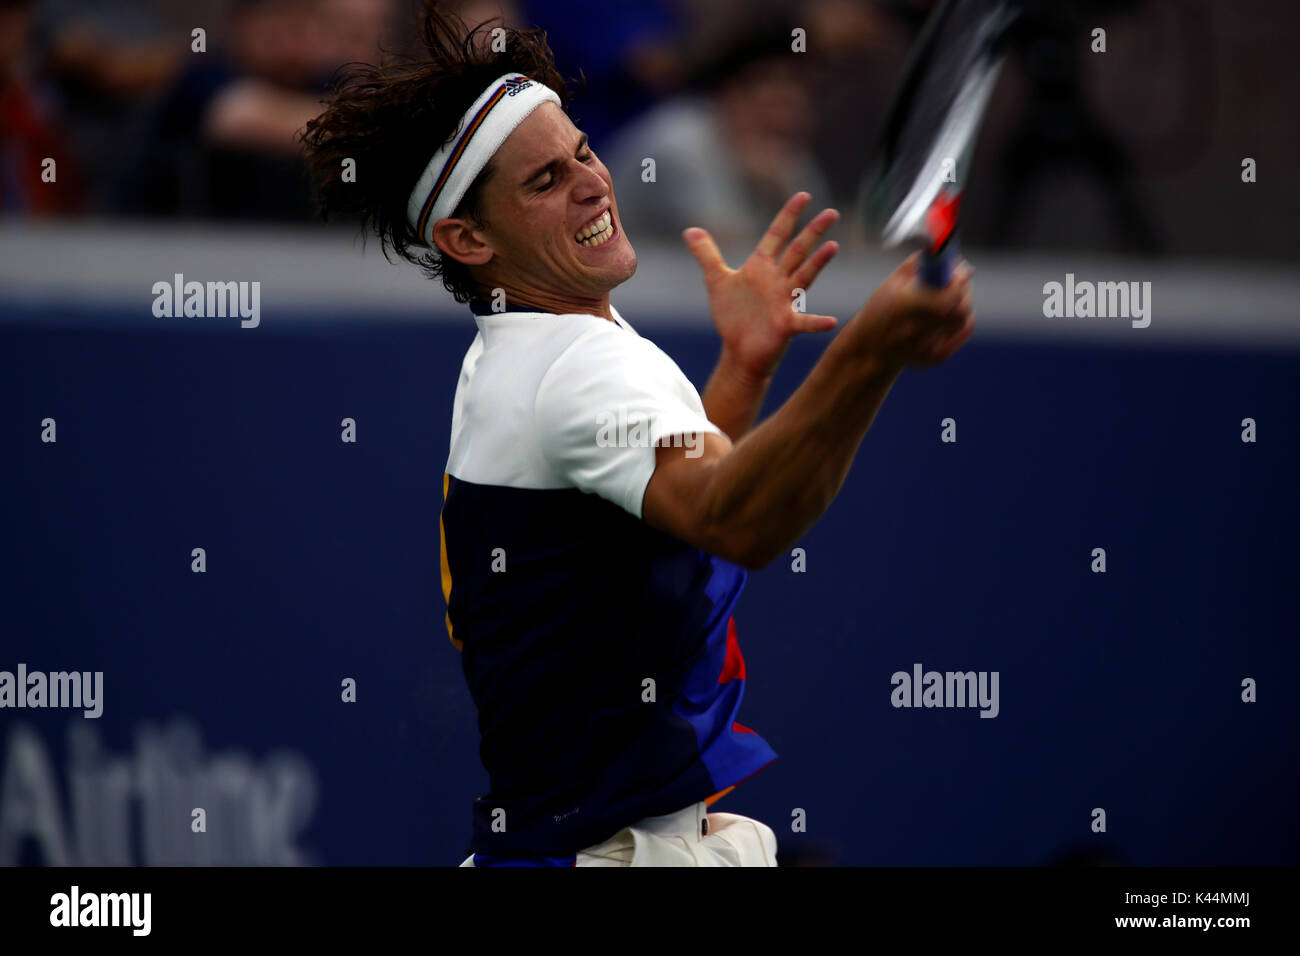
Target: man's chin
631,266
615,275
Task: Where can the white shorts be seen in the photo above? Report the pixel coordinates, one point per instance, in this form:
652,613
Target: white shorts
689,837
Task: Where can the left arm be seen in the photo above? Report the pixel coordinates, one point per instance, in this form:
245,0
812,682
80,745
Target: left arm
733,397
752,310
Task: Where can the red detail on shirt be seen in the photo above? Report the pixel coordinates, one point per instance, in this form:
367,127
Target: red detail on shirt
741,728
941,218
733,666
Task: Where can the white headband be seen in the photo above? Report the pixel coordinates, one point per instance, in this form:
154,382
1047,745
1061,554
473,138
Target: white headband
503,106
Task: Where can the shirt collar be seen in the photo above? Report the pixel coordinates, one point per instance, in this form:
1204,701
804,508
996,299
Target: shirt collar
482,309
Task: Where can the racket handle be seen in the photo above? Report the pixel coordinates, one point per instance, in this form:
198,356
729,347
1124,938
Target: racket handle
936,267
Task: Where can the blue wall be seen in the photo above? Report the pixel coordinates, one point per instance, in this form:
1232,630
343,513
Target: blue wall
1119,691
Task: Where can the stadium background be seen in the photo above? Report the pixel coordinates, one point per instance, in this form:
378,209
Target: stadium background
222,690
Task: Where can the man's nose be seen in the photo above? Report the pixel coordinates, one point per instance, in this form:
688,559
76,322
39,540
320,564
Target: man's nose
588,183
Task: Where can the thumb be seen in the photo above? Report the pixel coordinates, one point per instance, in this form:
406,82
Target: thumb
909,267
705,251
812,322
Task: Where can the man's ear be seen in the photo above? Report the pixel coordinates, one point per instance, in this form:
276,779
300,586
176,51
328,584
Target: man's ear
459,239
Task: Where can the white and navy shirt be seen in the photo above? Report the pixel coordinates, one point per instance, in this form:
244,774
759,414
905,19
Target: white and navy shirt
564,602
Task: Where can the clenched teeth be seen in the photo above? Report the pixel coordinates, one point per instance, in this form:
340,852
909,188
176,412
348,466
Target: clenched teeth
597,233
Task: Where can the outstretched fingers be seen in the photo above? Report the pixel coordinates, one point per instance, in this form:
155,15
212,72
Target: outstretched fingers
797,251
706,252
812,266
778,233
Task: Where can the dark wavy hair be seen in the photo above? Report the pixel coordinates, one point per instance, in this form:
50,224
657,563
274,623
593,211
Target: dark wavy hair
391,118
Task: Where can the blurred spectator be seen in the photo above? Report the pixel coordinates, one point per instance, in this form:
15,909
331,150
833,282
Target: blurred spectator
113,91
1060,131
473,13
728,155
356,29
864,49
119,57
105,62
222,142
626,52
30,134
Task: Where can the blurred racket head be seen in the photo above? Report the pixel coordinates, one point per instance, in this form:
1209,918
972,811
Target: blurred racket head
913,187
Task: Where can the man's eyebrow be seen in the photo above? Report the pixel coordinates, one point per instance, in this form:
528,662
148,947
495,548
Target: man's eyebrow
582,144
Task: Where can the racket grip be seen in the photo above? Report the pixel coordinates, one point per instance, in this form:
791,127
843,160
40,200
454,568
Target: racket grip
936,267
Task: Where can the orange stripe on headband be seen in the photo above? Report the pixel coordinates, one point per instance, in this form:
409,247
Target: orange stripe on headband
454,158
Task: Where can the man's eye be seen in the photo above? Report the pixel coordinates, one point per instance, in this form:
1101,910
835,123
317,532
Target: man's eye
550,181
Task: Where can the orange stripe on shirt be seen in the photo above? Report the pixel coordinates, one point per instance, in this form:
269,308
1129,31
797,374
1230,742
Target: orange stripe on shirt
710,801
446,566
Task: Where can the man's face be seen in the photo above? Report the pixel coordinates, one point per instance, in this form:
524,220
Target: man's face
548,189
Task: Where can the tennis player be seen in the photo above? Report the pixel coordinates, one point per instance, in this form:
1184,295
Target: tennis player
600,514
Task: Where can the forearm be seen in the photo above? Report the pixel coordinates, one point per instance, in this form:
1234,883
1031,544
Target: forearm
249,114
783,475
732,398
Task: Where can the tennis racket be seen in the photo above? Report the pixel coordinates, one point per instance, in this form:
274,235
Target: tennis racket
913,190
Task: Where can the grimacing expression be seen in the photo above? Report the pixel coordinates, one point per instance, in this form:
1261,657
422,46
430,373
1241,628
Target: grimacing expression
552,220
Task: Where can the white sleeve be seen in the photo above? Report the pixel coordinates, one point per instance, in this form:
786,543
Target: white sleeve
602,406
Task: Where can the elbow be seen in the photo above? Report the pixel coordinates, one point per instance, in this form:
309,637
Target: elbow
748,551
759,559
737,537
